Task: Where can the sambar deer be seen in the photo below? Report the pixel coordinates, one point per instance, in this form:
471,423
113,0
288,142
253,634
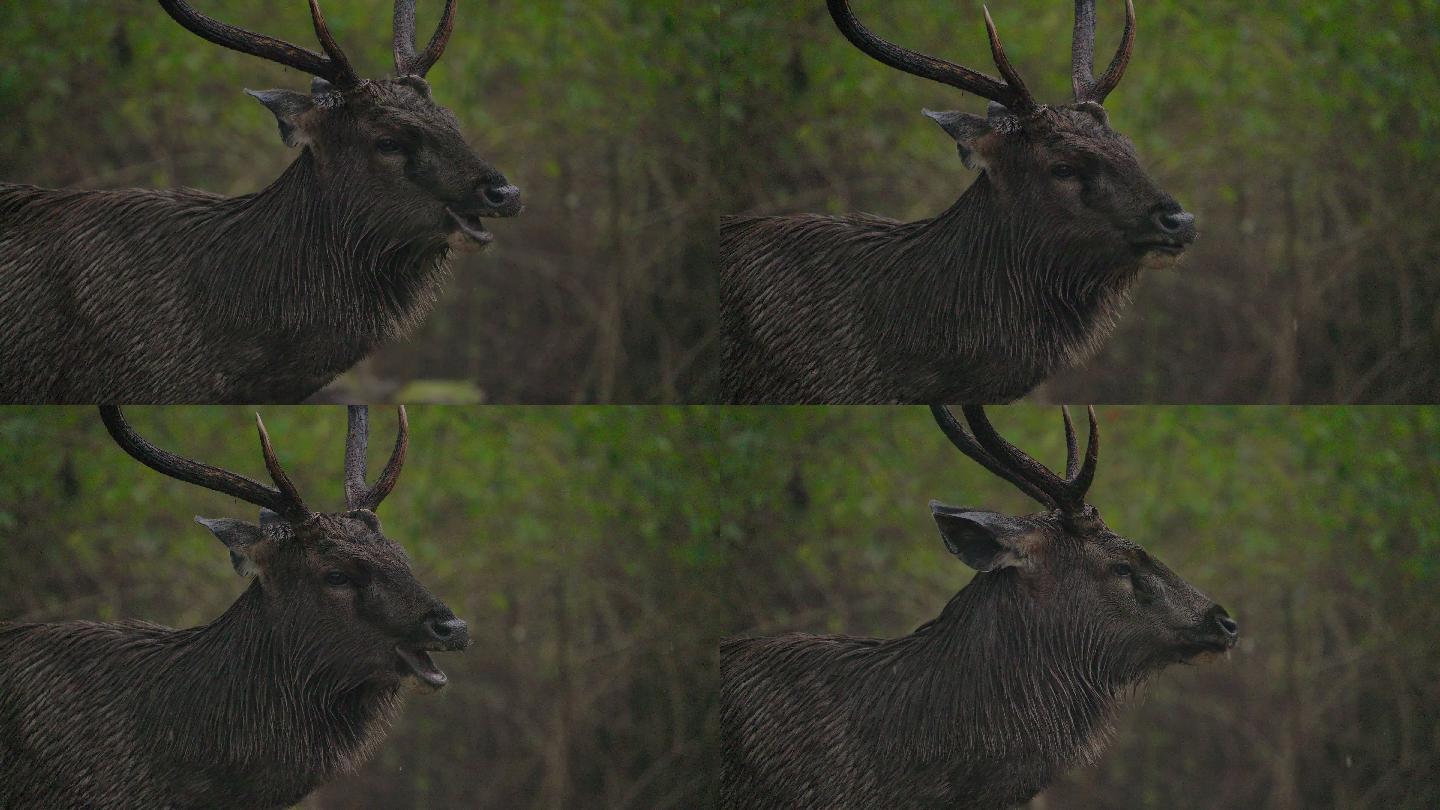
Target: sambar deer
185,296
1017,680
296,683
1025,275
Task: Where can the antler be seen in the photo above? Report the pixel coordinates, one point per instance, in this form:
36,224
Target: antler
334,66
1011,463
1082,54
284,499
357,495
407,62
1011,92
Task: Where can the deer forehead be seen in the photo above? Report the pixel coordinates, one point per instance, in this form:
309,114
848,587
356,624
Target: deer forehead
376,552
1112,543
1100,544
403,104
340,535
1087,138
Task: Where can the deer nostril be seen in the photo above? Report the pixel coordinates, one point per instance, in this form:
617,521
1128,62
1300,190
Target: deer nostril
500,196
1174,221
1227,624
444,629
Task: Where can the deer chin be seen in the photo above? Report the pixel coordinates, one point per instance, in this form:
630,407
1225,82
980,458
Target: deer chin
469,235
418,662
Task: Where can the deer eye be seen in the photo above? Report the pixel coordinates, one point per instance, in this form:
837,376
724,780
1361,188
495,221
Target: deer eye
389,146
1123,570
1064,171
336,579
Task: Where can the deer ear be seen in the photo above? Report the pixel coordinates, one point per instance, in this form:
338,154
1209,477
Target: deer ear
288,107
238,536
985,541
967,130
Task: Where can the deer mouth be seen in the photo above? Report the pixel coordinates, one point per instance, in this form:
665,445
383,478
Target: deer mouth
1204,648
1171,246
1156,254
417,661
469,231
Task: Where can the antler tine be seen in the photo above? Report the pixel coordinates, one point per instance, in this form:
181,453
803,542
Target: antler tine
295,506
1013,95
1082,51
1024,102
438,41
1072,449
968,445
407,62
331,47
1079,484
1020,462
357,441
337,71
372,497
404,27
1116,71
194,472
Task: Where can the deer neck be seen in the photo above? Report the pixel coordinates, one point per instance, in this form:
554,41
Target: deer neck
310,261
266,700
993,678
977,284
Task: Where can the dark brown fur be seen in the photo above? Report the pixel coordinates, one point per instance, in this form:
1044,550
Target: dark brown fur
1016,681
1025,275
297,682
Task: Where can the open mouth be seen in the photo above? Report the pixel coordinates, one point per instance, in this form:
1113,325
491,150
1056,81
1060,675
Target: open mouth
417,662
1165,247
470,228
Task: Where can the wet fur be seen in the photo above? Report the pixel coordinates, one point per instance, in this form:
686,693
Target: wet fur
185,296
239,713
979,304
980,708
295,684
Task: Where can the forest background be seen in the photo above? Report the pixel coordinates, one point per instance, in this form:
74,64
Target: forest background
600,553
1304,135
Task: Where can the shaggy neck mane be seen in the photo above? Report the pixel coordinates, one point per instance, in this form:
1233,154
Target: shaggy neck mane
317,258
995,676
974,277
254,694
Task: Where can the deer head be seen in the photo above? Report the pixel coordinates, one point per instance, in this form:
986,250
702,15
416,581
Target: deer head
332,578
380,140
1060,166
1104,592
